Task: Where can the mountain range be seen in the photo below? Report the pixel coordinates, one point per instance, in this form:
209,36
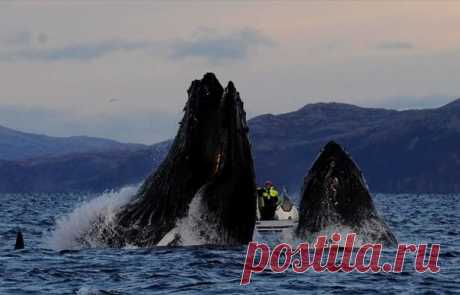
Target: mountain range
410,151
17,145
415,151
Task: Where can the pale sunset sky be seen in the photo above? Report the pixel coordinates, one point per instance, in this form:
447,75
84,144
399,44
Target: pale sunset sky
120,70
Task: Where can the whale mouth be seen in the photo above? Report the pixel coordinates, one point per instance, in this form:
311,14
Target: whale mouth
335,194
210,155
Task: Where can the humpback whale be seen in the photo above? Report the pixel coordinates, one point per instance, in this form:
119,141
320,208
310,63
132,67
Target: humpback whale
209,169
335,196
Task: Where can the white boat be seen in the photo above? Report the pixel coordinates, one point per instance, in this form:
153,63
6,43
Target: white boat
264,226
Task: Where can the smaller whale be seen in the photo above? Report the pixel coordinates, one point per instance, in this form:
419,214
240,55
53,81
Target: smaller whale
19,241
335,198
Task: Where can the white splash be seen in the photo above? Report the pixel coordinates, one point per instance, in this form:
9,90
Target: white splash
329,230
71,230
368,232
89,291
195,228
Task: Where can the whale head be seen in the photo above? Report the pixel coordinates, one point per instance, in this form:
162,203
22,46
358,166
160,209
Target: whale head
209,163
335,195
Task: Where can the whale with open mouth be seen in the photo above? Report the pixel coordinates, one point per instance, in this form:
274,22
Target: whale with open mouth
335,198
206,183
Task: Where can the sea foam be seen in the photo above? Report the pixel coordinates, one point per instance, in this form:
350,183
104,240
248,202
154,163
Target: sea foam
71,230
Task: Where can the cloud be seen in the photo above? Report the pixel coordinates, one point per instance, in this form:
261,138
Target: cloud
210,45
220,47
81,52
23,38
395,45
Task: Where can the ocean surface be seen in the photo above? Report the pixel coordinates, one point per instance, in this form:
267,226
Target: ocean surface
50,222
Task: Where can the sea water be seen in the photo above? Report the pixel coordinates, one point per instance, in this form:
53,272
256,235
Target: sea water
54,263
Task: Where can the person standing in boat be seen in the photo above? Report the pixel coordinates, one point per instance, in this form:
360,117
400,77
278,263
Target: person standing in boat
269,200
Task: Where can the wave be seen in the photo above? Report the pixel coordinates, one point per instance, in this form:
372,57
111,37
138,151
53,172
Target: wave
71,230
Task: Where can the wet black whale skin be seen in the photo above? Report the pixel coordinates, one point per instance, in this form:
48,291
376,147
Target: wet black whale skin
334,192
211,154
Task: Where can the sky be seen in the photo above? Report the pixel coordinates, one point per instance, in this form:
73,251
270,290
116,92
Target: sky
121,70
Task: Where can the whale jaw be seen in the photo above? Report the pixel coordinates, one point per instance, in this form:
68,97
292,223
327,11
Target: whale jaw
335,197
210,162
